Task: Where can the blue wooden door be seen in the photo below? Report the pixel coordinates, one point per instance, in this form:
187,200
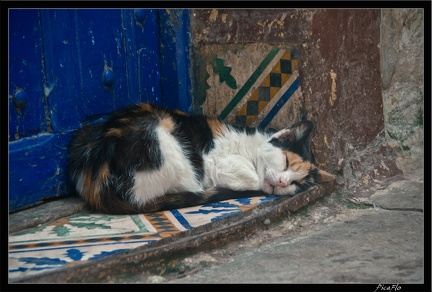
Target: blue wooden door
71,67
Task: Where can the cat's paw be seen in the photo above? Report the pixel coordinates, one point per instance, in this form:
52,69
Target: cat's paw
250,181
233,172
240,180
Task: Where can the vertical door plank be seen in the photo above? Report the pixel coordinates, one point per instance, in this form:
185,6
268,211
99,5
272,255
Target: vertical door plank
175,78
62,87
26,95
101,48
142,55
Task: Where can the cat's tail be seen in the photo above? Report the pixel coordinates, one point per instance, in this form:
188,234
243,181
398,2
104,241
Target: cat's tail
189,199
115,205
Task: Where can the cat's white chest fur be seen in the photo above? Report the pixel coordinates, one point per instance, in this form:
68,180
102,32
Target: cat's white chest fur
232,163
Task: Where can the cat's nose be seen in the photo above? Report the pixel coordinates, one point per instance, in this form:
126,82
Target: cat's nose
282,183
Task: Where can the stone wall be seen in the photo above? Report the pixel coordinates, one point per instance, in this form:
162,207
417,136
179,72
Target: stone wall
356,86
402,67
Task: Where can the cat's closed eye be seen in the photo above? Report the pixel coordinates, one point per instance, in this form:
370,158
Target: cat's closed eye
286,163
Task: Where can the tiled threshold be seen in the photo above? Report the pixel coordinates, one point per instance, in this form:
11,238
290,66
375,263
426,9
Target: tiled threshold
61,242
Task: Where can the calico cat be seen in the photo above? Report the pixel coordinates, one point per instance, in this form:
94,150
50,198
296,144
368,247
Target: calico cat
144,159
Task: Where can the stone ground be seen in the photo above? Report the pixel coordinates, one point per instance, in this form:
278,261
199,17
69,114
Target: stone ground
334,240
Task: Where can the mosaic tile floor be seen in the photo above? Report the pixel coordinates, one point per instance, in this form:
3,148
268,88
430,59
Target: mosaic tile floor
91,236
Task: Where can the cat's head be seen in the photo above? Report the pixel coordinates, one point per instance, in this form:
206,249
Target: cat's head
285,161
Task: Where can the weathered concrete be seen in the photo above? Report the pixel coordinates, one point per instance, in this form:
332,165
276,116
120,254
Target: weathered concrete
401,195
365,170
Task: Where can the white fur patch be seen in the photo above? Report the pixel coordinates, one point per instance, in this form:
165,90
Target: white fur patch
175,175
80,184
231,171
232,163
281,134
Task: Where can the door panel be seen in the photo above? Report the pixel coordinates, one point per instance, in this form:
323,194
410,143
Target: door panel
143,45
175,59
36,169
26,98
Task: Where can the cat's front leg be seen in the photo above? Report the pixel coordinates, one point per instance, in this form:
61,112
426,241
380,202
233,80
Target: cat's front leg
234,172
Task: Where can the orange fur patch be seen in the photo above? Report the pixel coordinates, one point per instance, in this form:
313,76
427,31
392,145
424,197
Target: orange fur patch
179,112
218,129
167,123
325,176
116,132
103,173
90,190
297,163
124,120
146,107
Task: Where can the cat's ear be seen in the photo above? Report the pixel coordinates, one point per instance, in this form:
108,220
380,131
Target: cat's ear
300,131
282,134
324,176
297,133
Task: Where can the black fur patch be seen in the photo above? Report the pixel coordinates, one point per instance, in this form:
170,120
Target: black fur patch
189,199
297,143
195,137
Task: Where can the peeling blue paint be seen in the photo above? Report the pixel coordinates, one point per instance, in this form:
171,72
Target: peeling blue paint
58,58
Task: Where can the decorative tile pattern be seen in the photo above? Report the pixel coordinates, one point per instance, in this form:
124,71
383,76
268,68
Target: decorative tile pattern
270,88
91,236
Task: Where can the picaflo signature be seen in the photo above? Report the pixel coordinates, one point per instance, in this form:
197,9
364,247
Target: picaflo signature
389,288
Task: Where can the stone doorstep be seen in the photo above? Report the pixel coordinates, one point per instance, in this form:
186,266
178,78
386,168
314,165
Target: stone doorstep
165,250
45,213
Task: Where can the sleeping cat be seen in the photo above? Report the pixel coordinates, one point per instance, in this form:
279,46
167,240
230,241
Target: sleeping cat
145,159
